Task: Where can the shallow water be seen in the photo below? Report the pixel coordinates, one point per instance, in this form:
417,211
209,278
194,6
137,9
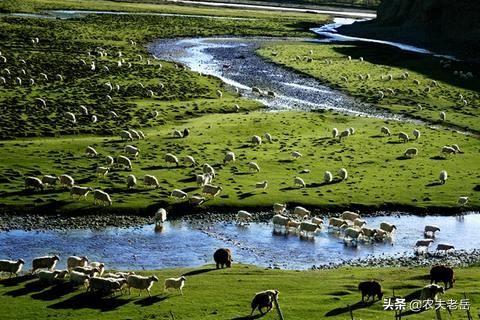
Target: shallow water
183,244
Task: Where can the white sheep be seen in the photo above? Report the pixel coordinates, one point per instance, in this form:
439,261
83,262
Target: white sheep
443,116
253,166
337,223
385,130
74,261
211,190
46,262
334,133
359,223
443,176
11,267
66,180
135,134
175,283
189,160
301,212
208,169
129,149
423,243
170,158
203,179
101,197
268,137
279,220
256,140
123,161
457,148
444,247
179,194
219,94
448,150
327,177
94,119
196,200
71,117
49,180
261,185
403,136
83,110
343,173
279,208
462,201
149,180
126,135
388,227
244,216
349,215
177,134
160,216
352,234
344,134
229,157
296,154
34,182
416,134
91,152
307,228
102,171
49,277
80,192
78,278
411,152
297,181
99,266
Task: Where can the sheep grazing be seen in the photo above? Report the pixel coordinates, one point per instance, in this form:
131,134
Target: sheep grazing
385,131
264,299
416,134
203,179
123,161
410,153
170,158
419,107
446,150
370,289
175,283
462,201
177,134
337,223
160,216
223,257
416,81
141,134
261,185
443,116
189,160
334,133
91,152
49,180
210,190
135,134
109,161
101,197
430,231
47,262
430,292
80,192
457,148
279,208
388,227
74,261
236,107
34,182
344,134
268,137
244,216
126,136
129,149
219,94
11,267
94,119
208,169
327,177
78,278
102,171
443,274
403,136
83,110
381,95
256,140
179,194
444,247
308,228
301,212
344,79
253,166
229,157
71,117
297,181
443,176
349,215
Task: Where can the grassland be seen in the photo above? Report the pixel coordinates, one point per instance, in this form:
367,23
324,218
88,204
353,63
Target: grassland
381,61
226,294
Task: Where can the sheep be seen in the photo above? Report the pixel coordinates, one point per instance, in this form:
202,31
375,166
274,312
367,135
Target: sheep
416,81
126,135
430,230
123,161
369,233
90,271
296,154
254,166
160,216
443,116
370,289
344,79
208,169
423,243
223,257
443,176
337,223
80,192
109,161
211,190
381,95
196,200
102,171
49,180
105,285
388,227
410,153
170,158
264,299
416,134
385,130
344,134
307,228
256,140
462,201
353,234
327,177
381,234
189,160
236,107
135,134
444,247
46,262
203,179
446,150
280,220
243,217
334,133
430,292
351,130
74,261
343,173
94,119
403,136
261,185
219,94
11,267
49,277
44,76
66,180
359,223
457,148
301,212
91,152
102,197
129,149
78,278
442,273
229,157
98,265
297,181
175,283
279,208
83,110
177,134
71,117
179,194
268,137
141,134
349,215
34,182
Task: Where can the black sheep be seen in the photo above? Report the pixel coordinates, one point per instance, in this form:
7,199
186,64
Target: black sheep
370,289
442,273
223,257
264,299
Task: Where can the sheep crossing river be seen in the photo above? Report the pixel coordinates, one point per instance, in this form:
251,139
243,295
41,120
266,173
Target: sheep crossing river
182,244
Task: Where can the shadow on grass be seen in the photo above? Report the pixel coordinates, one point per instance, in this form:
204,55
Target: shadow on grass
438,158
88,301
15,281
29,287
249,317
433,184
353,307
148,301
200,271
54,292
403,158
395,142
246,195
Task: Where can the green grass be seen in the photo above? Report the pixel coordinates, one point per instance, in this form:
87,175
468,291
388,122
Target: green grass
378,175
226,294
380,61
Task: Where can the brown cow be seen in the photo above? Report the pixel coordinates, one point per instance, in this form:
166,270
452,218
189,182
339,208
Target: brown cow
442,273
223,257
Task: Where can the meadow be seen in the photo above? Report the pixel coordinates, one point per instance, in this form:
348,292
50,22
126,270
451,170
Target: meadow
226,294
